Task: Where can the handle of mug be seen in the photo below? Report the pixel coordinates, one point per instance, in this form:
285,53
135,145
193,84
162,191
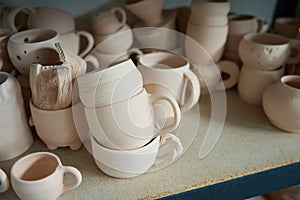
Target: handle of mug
233,70
177,114
4,182
295,52
260,24
93,60
12,16
122,12
90,42
77,175
169,150
195,89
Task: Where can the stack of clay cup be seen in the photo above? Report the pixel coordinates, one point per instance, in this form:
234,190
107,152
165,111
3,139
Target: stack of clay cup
113,37
56,19
208,25
155,28
264,56
124,134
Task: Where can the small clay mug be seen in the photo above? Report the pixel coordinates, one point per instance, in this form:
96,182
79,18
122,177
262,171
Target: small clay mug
41,176
287,26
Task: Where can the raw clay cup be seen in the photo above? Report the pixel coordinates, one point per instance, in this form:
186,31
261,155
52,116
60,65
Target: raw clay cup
168,73
55,127
107,22
32,46
129,124
41,176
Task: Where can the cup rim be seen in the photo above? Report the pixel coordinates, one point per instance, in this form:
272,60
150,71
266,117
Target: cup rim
18,162
288,78
280,40
13,38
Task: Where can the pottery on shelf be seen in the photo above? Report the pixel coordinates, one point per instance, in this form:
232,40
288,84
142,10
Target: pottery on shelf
281,103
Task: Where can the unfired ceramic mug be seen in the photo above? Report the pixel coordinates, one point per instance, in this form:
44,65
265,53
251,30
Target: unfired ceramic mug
44,17
41,176
33,46
168,73
4,182
287,26
131,163
108,22
130,124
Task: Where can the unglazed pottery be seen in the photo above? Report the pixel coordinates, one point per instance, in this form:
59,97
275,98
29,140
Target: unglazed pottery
130,124
115,43
168,73
62,132
33,46
15,140
41,176
44,17
252,82
287,26
267,51
209,13
97,59
108,22
149,11
131,163
106,86
281,103
229,73
4,182
74,40
160,36
212,39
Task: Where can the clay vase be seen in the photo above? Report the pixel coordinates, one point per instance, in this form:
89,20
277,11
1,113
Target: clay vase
281,103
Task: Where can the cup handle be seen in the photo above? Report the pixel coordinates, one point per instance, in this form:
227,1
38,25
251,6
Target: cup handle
4,182
12,16
93,60
195,88
295,52
170,148
123,15
77,175
177,114
90,42
260,24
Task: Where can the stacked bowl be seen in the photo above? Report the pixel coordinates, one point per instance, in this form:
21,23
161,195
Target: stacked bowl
208,25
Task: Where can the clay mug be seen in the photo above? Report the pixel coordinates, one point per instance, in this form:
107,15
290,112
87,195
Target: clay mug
281,103
15,140
4,182
115,162
148,11
130,124
40,175
287,26
44,17
252,82
113,84
33,46
108,22
115,43
268,51
74,40
101,60
168,73
209,13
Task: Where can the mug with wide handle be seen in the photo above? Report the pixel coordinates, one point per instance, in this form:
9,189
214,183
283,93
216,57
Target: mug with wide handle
4,182
40,175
